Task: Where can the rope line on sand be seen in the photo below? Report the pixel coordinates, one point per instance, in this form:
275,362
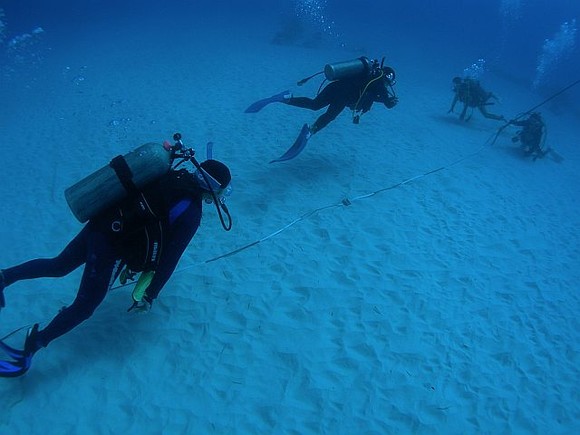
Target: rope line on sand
346,202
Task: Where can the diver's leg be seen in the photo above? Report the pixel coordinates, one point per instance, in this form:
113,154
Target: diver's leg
535,145
282,97
328,116
308,103
323,99
68,260
533,148
100,264
540,153
463,112
307,131
488,115
304,103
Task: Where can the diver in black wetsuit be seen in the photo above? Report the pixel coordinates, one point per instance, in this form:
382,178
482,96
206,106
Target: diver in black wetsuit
175,208
356,93
532,135
470,92
354,84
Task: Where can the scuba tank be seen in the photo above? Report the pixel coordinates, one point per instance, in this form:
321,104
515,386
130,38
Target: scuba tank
112,183
363,68
351,68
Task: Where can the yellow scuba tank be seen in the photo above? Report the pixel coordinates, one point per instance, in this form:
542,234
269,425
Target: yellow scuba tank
110,184
351,68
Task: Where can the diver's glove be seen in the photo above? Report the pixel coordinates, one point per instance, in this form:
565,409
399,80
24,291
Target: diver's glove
126,275
391,102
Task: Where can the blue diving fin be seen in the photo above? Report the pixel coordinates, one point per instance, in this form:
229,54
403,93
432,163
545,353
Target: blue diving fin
19,364
260,104
21,359
298,146
10,351
13,369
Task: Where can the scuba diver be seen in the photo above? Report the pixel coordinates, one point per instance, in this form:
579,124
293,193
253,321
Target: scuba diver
146,232
355,84
470,92
532,136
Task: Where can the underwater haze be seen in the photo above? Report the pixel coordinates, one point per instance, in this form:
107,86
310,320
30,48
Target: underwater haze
414,273
510,35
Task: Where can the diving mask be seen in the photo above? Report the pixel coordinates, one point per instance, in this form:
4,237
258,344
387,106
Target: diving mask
214,185
221,195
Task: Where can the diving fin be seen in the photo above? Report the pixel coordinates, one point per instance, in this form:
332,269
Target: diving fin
21,359
554,155
13,369
298,146
2,286
260,104
10,351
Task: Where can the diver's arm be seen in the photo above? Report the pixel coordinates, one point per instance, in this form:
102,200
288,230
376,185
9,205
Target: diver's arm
382,95
391,102
389,99
518,123
177,239
454,102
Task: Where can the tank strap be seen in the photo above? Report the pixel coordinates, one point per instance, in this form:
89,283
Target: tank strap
153,229
154,232
144,255
124,174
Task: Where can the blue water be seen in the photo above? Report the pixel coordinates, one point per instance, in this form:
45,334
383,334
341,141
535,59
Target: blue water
508,34
51,75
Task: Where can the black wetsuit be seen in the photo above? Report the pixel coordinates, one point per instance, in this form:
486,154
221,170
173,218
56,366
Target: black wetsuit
344,93
531,134
177,203
471,94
